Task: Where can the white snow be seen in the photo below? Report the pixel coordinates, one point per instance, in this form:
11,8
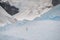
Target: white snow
30,9
36,30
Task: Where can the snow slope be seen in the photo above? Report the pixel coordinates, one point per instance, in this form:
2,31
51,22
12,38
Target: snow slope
28,10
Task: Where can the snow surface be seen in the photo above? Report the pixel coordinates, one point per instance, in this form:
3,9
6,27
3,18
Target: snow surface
28,10
33,30
45,27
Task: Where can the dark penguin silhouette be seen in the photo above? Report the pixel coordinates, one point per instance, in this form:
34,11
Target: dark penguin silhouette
12,10
55,2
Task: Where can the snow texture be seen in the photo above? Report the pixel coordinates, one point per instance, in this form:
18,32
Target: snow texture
45,27
34,30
